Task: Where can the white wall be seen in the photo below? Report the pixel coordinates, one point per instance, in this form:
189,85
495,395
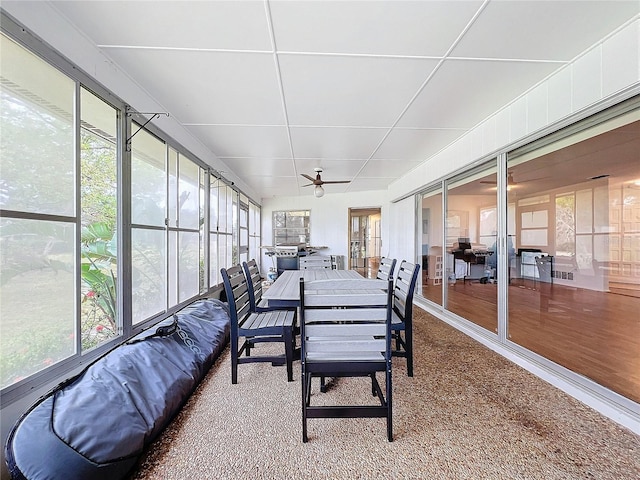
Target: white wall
329,220
403,241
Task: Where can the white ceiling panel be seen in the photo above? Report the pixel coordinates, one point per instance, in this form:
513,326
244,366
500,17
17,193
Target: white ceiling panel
387,168
244,141
546,30
415,144
463,93
362,184
249,166
365,90
351,91
335,142
208,87
180,24
426,28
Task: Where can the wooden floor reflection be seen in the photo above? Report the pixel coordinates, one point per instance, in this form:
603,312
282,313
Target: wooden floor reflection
595,334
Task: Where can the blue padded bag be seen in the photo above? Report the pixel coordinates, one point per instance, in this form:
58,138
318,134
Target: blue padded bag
97,424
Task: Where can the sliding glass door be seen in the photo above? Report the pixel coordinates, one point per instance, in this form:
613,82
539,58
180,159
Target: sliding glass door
574,293
471,256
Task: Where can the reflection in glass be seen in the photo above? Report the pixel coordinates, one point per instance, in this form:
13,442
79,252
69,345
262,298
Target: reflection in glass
574,293
148,279
148,180
38,296
37,139
470,261
188,256
432,252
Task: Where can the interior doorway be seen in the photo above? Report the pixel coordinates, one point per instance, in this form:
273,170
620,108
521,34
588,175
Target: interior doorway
365,242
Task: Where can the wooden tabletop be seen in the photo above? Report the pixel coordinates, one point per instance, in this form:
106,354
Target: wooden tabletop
285,291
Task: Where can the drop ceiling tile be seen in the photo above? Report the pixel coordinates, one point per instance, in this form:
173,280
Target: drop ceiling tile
552,30
275,186
462,93
208,87
349,91
260,166
416,144
179,24
265,181
385,168
367,184
370,27
335,142
242,141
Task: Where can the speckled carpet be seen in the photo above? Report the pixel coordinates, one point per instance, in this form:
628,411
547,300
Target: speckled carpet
467,413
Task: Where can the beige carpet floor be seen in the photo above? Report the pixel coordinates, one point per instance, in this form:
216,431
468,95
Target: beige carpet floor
466,414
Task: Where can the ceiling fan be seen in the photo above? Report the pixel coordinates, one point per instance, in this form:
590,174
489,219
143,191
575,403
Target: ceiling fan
510,180
318,191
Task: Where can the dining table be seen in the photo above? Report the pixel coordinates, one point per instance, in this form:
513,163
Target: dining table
285,291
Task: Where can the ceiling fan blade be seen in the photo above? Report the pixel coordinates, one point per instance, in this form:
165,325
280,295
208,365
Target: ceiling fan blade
307,177
489,182
532,179
337,181
307,185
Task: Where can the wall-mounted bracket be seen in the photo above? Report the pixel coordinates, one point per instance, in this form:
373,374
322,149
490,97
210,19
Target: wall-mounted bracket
154,115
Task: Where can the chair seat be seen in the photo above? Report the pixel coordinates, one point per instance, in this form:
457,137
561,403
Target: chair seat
346,357
266,321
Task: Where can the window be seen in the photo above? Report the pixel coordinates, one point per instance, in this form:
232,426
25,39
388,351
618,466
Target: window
221,228
38,225
254,231
99,207
148,238
243,222
67,185
291,227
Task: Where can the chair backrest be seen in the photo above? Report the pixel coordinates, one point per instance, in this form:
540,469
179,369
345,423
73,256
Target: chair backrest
385,269
237,292
345,321
254,283
404,289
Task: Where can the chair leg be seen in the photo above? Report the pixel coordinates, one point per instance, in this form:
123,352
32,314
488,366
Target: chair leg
389,404
288,349
305,401
308,391
408,347
234,358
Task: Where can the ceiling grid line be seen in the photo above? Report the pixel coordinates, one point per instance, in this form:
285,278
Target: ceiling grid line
276,61
427,80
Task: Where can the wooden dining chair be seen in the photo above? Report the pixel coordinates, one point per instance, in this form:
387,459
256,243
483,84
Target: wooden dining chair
255,327
385,269
402,320
254,287
345,330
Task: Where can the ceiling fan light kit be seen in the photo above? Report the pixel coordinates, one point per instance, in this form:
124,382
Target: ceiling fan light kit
318,191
